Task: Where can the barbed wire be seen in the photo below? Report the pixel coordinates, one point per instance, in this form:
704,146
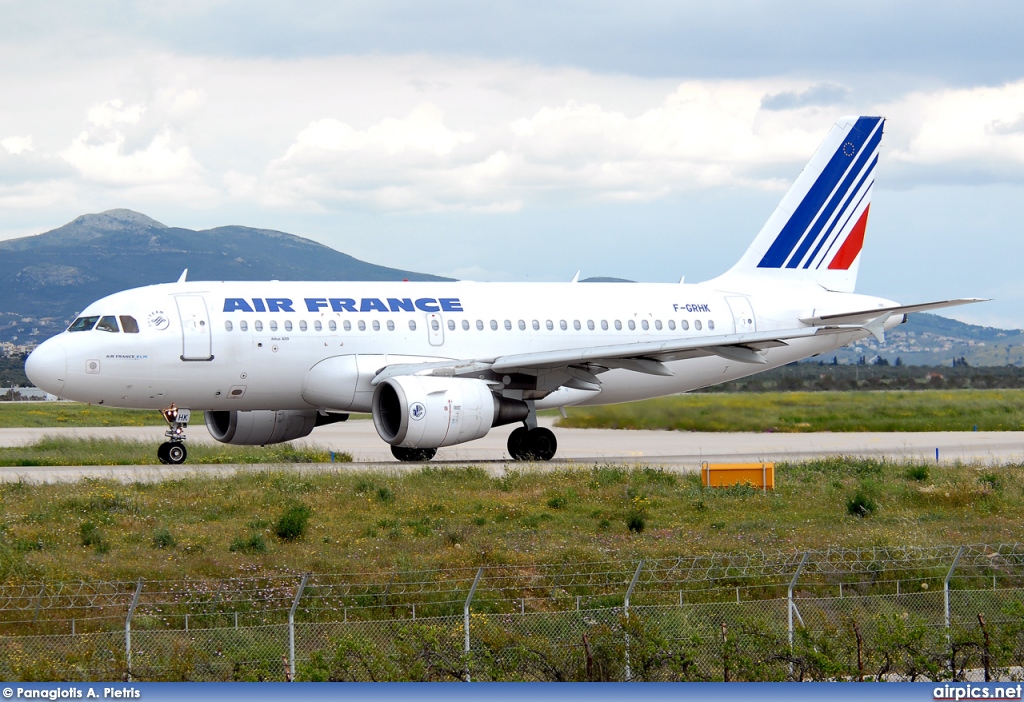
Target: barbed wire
268,599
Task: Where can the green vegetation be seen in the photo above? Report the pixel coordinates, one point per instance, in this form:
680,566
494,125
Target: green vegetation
280,521
73,414
71,451
955,410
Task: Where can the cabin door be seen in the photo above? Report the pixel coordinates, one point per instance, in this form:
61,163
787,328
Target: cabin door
196,344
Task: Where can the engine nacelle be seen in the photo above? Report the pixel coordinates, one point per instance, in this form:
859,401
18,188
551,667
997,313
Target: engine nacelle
414,411
260,427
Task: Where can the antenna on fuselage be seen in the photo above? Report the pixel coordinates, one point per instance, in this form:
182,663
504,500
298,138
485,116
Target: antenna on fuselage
183,276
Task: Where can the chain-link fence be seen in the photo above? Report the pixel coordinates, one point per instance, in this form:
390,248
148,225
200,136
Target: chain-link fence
907,613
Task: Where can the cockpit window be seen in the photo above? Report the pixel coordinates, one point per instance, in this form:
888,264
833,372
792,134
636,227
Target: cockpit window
128,324
83,324
108,324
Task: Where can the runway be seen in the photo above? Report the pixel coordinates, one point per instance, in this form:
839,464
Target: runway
681,451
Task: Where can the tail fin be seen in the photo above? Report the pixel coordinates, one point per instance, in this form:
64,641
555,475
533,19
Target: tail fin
816,232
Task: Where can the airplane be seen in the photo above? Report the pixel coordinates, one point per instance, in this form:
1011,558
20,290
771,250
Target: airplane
442,363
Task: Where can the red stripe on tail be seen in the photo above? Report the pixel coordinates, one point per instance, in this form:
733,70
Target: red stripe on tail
850,249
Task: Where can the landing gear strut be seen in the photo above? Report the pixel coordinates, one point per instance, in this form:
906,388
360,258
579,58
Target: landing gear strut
413,455
173,451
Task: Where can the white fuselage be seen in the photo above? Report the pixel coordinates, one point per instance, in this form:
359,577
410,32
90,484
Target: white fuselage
251,345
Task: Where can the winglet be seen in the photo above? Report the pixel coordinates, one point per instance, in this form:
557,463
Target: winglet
575,278
184,276
877,327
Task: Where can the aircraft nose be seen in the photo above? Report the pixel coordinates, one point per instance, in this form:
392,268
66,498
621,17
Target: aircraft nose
47,366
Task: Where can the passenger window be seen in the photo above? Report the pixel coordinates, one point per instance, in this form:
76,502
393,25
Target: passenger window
243,325
696,324
684,325
536,325
711,324
508,325
332,325
480,325
465,325
228,326
644,325
657,324
257,325
347,325
549,324
83,324
451,325
562,325
604,325
317,326
288,325
576,324
302,325
362,325
412,325
590,324
672,324
273,325
376,325
618,325
522,325
108,323
434,325
391,325
494,325
129,325
632,325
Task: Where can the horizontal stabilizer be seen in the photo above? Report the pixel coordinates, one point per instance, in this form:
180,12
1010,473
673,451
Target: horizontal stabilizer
865,316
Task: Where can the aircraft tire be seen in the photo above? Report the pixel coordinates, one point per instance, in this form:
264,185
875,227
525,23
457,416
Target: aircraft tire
412,455
542,444
517,444
161,453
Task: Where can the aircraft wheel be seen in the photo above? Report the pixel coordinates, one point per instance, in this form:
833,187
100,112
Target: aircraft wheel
412,455
161,453
517,444
176,453
542,444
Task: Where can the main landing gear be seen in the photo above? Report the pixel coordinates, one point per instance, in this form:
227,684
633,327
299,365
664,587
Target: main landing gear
173,451
537,444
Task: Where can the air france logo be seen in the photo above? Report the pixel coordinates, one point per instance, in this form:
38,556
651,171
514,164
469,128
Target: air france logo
344,304
417,411
158,320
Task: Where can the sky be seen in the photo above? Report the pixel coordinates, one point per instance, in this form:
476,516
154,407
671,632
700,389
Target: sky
528,140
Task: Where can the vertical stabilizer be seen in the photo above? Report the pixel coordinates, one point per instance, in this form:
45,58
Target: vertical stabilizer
817,231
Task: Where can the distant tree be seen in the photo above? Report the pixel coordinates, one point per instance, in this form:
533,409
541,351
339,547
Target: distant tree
862,360
835,360
961,362
899,362
879,361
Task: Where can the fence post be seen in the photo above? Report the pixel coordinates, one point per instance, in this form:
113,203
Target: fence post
792,605
945,586
291,627
128,629
465,616
625,609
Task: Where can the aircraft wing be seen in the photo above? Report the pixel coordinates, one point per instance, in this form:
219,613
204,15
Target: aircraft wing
578,367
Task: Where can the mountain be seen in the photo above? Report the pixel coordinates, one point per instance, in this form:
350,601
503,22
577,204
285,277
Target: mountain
931,340
46,279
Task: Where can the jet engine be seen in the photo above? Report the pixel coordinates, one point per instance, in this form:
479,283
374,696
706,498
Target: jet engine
413,411
261,427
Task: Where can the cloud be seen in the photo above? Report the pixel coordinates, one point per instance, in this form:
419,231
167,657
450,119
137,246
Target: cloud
16,145
821,94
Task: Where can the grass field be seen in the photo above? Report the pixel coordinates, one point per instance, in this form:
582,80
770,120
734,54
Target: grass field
928,410
73,414
206,527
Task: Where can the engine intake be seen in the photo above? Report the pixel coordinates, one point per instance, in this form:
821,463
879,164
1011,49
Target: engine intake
427,412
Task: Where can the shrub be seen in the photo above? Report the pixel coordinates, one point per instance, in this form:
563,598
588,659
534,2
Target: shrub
636,522
558,502
385,494
254,544
861,505
918,473
163,539
91,534
292,523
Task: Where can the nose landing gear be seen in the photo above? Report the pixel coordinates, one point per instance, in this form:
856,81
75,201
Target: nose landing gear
173,451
